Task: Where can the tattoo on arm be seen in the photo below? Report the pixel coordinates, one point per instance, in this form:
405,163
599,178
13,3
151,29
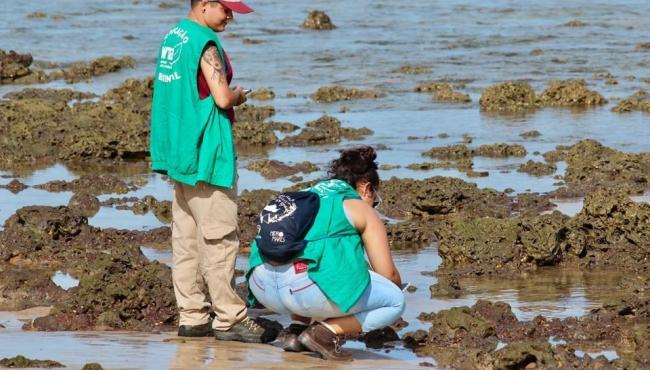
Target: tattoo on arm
212,57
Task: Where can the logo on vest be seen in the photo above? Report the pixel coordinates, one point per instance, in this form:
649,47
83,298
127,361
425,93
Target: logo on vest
277,210
170,53
277,237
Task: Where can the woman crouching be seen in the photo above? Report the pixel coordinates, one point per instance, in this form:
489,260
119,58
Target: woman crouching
325,283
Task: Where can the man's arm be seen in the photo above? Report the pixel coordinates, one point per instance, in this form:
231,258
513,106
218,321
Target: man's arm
215,75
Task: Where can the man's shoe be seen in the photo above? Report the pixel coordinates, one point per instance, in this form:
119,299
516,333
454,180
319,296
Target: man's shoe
203,330
247,331
320,339
291,342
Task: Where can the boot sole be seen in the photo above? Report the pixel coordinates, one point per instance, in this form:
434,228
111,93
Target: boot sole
315,347
236,338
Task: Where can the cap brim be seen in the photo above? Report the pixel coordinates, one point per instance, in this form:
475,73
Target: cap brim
237,6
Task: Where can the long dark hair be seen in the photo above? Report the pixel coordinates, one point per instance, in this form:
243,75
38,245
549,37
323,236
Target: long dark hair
355,165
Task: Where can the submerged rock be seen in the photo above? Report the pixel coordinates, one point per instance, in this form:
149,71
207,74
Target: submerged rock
447,287
413,69
640,101
14,186
91,184
285,127
443,92
377,338
84,204
329,94
537,168
530,134
318,20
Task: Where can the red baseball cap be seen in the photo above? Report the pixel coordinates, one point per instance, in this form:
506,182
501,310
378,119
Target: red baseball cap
236,6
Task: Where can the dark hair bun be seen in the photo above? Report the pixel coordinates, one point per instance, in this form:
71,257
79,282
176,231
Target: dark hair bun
355,165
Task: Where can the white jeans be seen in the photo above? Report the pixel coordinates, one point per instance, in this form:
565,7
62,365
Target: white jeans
282,290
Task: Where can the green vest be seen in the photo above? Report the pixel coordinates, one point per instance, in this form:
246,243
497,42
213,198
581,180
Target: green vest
335,252
191,139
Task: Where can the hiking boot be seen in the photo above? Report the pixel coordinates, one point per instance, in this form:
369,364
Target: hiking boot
247,331
320,339
203,330
291,342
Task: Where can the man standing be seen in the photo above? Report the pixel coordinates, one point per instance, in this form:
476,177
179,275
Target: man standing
192,142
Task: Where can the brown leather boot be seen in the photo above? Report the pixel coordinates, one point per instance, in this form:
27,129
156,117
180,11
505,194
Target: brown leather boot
291,342
320,339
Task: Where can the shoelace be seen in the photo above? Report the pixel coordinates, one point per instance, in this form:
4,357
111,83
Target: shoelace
250,324
337,344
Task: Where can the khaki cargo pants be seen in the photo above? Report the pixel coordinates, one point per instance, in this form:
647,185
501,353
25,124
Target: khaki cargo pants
205,241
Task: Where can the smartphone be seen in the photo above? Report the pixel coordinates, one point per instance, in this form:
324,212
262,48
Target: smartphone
247,91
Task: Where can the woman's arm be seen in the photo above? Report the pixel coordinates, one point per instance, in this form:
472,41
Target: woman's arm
215,75
375,240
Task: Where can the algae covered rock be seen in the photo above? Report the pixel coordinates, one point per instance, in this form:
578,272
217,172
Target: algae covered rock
570,93
325,130
491,245
437,196
318,20
443,92
453,152
19,362
262,94
136,294
254,134
508,96
97,67
537,168
273,169
640,101
112,129
612,230
591,165
329,94
15,68
500,150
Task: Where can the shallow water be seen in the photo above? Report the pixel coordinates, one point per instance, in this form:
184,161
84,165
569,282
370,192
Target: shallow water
478,44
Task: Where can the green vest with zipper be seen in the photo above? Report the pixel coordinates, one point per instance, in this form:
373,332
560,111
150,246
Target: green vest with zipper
334,250
191,138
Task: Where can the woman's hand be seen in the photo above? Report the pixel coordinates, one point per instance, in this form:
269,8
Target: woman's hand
241,95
